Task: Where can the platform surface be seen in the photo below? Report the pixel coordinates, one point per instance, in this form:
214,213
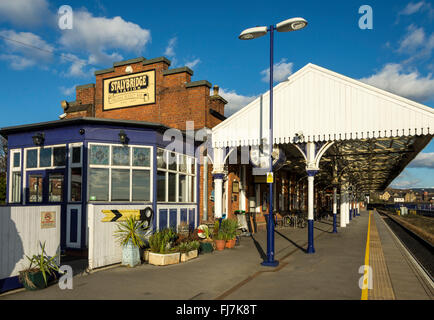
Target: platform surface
333,272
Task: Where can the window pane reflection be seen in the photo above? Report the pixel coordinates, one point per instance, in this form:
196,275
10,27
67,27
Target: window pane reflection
120,185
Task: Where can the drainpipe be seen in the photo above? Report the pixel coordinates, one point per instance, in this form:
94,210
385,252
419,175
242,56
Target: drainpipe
205,188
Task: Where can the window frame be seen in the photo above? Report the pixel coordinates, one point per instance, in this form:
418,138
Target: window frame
189,177
13,170
130,167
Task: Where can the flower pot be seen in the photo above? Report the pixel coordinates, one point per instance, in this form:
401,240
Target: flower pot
185,256
220,244
230,243
130,255
159,259
34,280
206,247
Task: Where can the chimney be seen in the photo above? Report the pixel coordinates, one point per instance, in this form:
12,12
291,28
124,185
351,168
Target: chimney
216,90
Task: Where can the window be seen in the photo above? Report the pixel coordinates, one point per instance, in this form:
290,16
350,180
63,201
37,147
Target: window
16,187
120,185
35,188
17,160
15,178
55,188
141,185
32,158
46,157
98,184
175,177
121,173
75,184
75,172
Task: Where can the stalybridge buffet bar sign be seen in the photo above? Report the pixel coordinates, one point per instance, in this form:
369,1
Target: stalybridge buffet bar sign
131,90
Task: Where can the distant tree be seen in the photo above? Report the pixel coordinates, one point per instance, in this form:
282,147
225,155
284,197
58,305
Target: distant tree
3,168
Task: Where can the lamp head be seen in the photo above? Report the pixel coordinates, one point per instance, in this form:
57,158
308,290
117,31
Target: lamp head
253,33
292,24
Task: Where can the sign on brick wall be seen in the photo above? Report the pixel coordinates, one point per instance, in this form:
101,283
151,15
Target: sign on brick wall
131,90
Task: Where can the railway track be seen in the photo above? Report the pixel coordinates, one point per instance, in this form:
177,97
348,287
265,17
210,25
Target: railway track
421,250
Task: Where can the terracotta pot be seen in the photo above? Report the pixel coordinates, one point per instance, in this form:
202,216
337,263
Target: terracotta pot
220,244
230,243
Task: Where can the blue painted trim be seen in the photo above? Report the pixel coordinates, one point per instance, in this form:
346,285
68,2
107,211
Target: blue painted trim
310,247
198,191
191,223
163,219
335,230
218,176
173,218
351,214
312,173
183,215
154,187
10,283
74,225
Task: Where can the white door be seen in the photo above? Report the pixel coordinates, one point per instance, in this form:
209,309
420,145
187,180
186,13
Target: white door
73,226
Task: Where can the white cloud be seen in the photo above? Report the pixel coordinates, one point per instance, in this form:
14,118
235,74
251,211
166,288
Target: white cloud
423,160
170,49
192,64
17,62
68,91
24,49
412,8
235,101
281,71
406,180
25,12
414,38
99,35
410,85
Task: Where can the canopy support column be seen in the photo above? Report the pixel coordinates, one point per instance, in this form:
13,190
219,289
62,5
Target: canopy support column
335,208
343,221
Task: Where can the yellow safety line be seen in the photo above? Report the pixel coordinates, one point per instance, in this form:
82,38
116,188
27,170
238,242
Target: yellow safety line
365,272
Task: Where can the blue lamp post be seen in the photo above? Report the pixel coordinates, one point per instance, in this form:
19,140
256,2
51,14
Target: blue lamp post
292,24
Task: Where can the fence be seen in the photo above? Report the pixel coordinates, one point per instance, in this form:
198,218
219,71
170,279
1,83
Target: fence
22,228
103,248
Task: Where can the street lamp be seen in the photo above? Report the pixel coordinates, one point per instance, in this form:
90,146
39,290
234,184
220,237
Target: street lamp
292,24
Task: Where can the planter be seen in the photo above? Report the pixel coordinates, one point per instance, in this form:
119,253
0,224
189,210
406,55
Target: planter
185,256
230,243
220,244
130,255
146,256
158,259
36,278
206,247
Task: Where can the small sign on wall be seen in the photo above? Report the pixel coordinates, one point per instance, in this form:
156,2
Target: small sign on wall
48,219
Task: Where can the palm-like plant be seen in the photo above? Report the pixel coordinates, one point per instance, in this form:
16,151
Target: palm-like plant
41,262
130,230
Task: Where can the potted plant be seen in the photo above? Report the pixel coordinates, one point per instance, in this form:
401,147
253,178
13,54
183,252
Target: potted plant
189,250
41,270
130,236
162,250
205,242
219,236
229,228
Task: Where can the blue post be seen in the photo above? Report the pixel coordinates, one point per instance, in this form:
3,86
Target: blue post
270,262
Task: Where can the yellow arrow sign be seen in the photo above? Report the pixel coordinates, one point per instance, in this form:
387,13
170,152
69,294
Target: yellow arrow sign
119,215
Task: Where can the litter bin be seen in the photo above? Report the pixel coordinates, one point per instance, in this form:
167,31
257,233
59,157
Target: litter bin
242,222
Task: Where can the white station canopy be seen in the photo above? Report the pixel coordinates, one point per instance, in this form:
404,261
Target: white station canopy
323,105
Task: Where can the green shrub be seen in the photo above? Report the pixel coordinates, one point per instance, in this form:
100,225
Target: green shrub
162,241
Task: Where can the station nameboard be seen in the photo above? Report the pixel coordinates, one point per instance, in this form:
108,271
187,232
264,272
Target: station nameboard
128,91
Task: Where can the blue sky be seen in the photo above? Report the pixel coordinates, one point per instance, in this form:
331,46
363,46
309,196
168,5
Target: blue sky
396,55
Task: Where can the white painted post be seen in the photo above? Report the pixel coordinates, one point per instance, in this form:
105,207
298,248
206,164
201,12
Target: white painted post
342,208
